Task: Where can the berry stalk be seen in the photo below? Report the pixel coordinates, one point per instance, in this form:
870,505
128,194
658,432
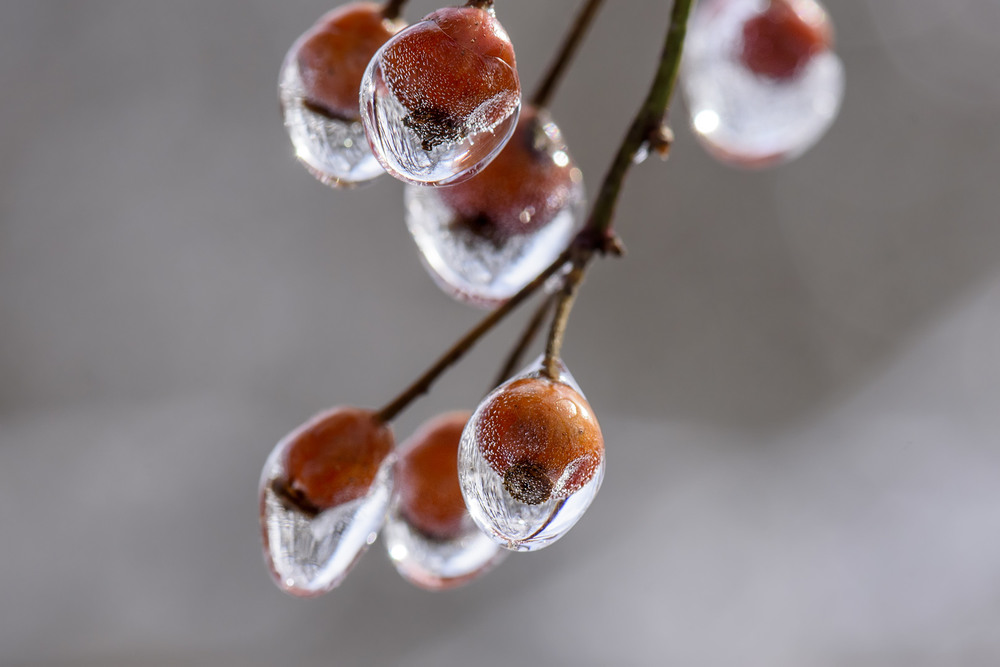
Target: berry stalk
465,343
531,330
564,304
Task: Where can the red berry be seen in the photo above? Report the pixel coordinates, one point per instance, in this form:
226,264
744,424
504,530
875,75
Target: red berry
542,437
454,72
781,40
333,55
334,459
427,478
519,192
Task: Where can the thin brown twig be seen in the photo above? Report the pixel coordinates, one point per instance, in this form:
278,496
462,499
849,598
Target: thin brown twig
424,382
531,330
597,235
564,304
648,119
585,16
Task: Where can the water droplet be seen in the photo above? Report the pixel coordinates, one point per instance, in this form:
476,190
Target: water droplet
642,154
486,238
429,534
760,96
552,510
310,550
441,98
318,89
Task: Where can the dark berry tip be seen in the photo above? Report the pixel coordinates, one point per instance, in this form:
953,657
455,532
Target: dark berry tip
527,483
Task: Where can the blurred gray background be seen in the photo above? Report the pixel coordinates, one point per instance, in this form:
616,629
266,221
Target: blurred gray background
797,371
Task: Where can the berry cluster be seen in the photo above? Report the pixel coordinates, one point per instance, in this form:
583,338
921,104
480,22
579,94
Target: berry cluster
496,207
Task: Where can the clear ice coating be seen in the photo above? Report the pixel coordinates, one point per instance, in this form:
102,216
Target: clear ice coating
438,564
487,269
747,119
334,150
310,555
512,524
408,156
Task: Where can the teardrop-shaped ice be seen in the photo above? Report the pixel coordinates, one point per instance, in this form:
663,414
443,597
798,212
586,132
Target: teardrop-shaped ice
531,459
310,544
761,82
441,98
485,238
319,86
429,534
438,564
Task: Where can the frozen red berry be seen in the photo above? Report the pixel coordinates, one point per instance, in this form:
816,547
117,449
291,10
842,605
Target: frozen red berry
781,40
454,73
522,190
334,459
427,478
333,55
541,436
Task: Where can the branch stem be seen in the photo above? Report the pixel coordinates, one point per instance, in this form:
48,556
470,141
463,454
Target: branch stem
531,330
465,343
585,16
564,304
597,235
647,120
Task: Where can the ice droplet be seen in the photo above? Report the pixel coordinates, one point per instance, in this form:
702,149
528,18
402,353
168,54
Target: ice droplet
758,118
333,150
516,525
429,535
436,108
320,111
484,239
641,154
308,552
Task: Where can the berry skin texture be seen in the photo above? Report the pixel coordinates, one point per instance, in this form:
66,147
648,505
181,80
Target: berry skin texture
333,55
427,478
780,41
455,73
542,437
520,191
335,458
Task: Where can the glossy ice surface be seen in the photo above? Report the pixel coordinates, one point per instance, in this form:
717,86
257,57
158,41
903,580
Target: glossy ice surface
746,118
486,238
318,90
438,564
513,524
310,550
441,98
